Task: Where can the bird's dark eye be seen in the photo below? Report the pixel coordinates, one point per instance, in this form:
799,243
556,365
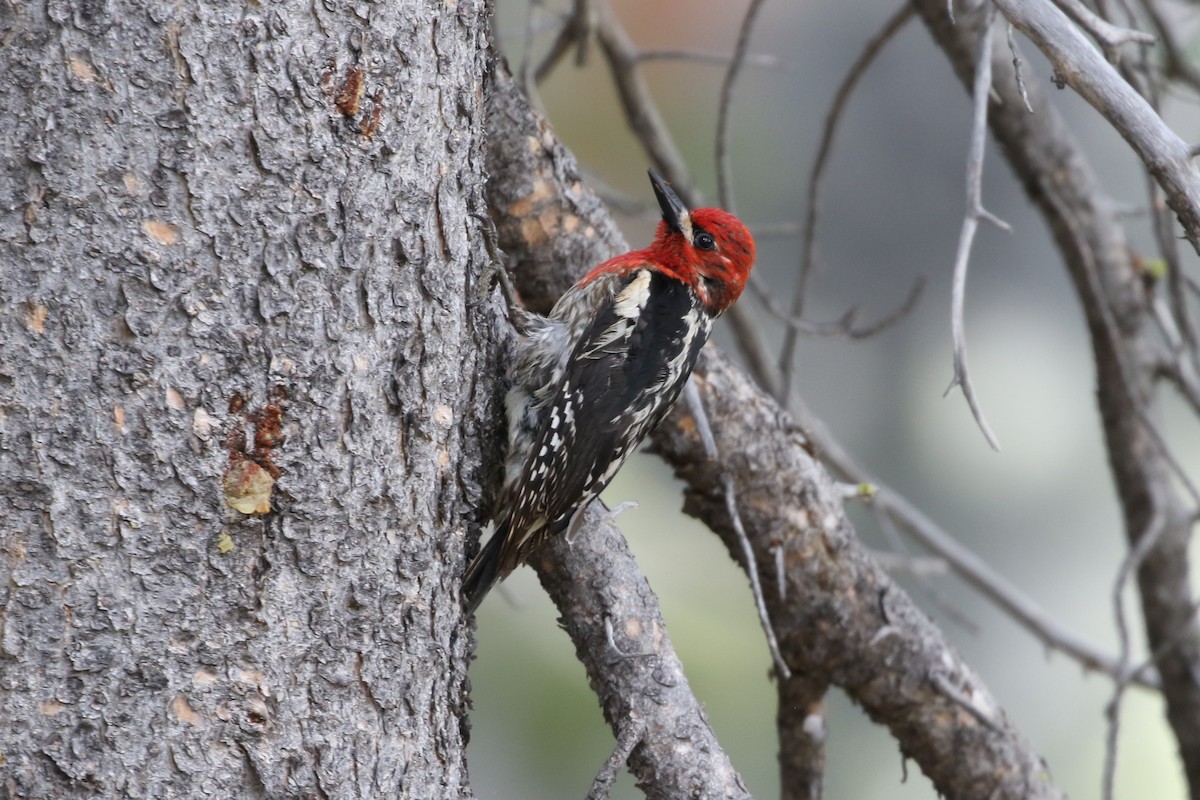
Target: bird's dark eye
705,241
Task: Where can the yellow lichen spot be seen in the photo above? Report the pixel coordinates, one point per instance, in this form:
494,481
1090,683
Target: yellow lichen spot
633,627
183,711
569,223
35,317
535,144
225,543
1155,267
203,677
81,69
119,418
248,487
175,399
589,232
161,232
443,458
443,415
51,708
131,182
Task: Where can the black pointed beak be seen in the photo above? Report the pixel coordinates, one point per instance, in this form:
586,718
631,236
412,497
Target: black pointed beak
674,212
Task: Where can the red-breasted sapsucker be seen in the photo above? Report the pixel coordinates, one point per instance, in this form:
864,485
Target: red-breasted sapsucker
593,378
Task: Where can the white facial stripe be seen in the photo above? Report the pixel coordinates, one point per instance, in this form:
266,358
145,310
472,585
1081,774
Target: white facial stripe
685,225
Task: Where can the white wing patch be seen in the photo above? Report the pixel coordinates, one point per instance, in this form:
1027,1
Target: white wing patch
628,306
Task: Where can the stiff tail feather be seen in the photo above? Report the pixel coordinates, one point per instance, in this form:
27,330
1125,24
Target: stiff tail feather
484,571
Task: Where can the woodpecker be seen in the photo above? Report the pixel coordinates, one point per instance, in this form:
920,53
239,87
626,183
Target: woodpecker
594,377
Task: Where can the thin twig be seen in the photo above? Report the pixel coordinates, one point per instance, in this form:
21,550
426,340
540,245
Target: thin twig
985,716
700,417
1178,64
845,325
787,353
637,102
781,667
631,734
975,212
1129,565
1017,62
1110,37
760,60
724,174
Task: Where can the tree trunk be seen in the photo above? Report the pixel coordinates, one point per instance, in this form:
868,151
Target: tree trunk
243,392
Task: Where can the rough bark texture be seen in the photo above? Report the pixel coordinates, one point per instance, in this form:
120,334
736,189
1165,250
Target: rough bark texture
622,641
238,242
1128,353
842,620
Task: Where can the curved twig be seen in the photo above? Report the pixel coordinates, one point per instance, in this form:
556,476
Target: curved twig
787,353
724,174
975,213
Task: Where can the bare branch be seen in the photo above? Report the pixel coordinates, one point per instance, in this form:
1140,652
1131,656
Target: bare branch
629,736
751,567
800,720
975,212
1179,64
1167,157
1109,36
1084,222
637,102
760,60
787,354
966,564
1016,62
646,697
1129,565
844,326
724,174
881,649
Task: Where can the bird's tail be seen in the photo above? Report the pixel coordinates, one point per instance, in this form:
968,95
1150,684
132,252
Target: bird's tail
484,571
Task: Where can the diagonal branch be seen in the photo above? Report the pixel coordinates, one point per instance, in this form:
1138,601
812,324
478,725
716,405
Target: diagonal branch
843,619
1076,61
621,639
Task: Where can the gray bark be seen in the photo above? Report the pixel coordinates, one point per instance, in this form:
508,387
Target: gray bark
235,243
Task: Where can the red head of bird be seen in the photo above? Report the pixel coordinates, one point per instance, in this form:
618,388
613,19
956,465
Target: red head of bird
708,248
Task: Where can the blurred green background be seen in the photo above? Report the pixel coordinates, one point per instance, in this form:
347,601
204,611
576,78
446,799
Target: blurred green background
1041,511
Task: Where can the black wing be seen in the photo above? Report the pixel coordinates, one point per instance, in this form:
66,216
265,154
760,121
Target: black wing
623,376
